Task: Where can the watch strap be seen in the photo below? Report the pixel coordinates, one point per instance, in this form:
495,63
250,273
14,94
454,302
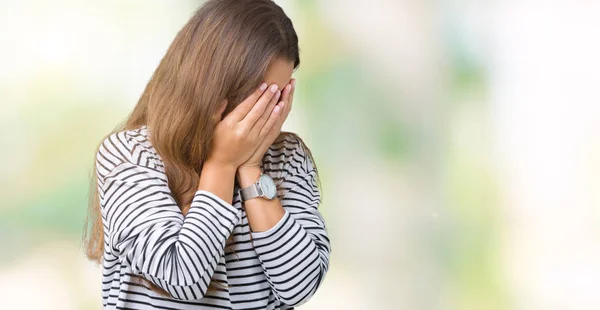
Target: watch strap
250,192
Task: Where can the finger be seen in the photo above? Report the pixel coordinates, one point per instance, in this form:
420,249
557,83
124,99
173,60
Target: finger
271,122
285,103
285,111
293,82
287,107
265,116
259,108
286,92
243,108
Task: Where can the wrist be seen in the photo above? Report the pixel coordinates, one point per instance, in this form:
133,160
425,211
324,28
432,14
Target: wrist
217,178
247,175
214,170
214,165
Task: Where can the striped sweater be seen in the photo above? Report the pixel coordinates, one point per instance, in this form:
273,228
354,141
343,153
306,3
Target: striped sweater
146,234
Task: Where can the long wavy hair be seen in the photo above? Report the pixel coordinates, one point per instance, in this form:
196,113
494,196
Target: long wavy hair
222,53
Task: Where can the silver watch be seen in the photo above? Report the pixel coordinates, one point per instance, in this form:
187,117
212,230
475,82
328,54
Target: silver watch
264,188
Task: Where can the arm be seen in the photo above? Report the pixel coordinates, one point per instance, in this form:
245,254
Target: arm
143,224
218,179
289,235
144,227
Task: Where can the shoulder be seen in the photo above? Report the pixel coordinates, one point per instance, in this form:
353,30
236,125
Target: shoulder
127,146
288,155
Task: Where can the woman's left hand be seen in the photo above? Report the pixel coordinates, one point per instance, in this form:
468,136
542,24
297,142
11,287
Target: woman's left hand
285,104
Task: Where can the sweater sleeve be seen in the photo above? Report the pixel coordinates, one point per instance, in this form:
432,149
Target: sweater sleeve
295,252
144,227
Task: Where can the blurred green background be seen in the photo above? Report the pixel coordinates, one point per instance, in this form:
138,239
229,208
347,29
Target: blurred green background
458,144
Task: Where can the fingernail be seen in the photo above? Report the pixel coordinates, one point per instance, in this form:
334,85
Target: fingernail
274,87
263,86
294,82
276,109
289,87
277,94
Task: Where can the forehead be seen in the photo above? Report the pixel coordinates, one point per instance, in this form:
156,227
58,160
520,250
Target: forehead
279,72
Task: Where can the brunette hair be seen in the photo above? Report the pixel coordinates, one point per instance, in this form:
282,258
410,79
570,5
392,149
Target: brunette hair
222,53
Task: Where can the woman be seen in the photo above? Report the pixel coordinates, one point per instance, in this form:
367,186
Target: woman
201,202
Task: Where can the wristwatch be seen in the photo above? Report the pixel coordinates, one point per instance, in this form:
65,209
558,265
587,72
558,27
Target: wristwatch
264,188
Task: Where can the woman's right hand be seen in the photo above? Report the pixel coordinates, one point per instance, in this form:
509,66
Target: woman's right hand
237,136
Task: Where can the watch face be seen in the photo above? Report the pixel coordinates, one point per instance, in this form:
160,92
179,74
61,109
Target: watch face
268,186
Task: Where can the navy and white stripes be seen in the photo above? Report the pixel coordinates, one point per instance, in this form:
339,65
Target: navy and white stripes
146,234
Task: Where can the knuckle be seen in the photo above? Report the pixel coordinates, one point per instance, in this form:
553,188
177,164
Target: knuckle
227,122
269,94
240,131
